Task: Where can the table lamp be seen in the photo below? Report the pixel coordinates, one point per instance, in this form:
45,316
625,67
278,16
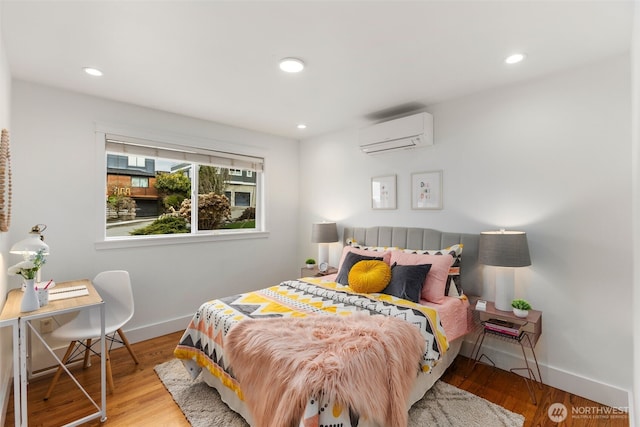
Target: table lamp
32,245
505,250
324,233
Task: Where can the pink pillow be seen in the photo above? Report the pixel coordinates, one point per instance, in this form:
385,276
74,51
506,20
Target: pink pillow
386,256
436,281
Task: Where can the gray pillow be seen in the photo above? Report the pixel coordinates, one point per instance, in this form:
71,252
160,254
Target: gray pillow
349,261
406,281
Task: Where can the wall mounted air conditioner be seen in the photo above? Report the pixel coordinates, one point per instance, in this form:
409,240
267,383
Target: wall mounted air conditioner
398,134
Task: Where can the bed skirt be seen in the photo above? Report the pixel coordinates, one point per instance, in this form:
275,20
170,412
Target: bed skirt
423,383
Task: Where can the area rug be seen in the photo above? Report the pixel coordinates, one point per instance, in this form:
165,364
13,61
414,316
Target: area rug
443,406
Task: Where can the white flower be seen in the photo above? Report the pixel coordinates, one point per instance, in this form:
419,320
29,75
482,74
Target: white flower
13,270
26,269
30,267
16,269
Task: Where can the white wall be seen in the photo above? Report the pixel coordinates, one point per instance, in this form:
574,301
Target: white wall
550,157
55,180
635,55
5,336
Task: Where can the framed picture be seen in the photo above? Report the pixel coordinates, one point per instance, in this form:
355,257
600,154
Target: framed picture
383,192
426,190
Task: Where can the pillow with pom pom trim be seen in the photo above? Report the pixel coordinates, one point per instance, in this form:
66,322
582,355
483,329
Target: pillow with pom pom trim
369,276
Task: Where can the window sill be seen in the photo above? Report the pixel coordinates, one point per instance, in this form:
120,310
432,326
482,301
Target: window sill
146,241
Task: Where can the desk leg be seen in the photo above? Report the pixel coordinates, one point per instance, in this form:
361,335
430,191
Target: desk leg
103,349
22,330
17,396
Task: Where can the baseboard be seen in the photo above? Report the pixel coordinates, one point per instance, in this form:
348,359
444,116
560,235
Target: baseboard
142,333
571,382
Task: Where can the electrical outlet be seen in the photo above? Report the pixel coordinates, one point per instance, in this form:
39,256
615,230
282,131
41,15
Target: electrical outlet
46,325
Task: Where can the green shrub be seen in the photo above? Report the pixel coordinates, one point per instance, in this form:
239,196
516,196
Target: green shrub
171,183
164,225
173,201
248,213
251,223
121,207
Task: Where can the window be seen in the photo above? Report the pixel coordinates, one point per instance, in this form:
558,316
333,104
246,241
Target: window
136,161
177,178
242,199
139,182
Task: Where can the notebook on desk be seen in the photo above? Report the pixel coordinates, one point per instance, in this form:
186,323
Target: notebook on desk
68,292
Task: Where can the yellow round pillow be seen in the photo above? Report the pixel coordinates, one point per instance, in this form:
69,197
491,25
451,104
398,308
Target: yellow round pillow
369,276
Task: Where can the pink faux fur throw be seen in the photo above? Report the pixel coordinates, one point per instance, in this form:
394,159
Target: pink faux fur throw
366,363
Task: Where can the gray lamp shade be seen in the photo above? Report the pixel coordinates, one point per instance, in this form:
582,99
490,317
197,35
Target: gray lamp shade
504,249
324,232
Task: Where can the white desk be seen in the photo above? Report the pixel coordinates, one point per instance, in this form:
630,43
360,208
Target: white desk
21,322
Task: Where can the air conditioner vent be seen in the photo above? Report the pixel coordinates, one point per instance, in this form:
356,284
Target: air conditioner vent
398,134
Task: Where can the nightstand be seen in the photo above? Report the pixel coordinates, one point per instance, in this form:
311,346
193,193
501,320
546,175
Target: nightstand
530,330
314,272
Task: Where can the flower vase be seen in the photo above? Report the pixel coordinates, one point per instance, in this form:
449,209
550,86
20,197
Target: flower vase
30,297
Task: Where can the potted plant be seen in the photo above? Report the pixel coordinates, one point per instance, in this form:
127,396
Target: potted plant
520,307
28,270
310,262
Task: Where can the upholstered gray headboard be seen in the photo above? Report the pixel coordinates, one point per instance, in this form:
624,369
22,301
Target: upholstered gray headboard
425,238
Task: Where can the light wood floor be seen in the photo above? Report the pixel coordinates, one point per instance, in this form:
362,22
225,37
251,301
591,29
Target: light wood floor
140,399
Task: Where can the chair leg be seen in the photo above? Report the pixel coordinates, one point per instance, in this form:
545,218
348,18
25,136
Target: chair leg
126,343
56,377
87,353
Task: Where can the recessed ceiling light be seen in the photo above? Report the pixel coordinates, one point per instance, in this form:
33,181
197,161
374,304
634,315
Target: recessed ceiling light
291,65
515,58
302,126
93,71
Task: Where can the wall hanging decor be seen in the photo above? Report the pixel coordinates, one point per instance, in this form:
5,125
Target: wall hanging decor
5,182
426,190
383,192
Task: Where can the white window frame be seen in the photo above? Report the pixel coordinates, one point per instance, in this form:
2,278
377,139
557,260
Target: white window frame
193,148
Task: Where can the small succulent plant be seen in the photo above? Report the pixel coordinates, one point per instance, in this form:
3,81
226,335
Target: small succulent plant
520,304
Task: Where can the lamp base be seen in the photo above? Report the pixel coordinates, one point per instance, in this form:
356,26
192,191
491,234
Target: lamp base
323,253
504,288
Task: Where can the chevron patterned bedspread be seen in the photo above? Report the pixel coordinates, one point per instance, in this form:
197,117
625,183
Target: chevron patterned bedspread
202,344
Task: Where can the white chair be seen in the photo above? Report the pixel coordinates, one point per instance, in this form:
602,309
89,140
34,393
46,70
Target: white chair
115,289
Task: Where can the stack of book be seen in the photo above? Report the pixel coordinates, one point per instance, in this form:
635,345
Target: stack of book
503,327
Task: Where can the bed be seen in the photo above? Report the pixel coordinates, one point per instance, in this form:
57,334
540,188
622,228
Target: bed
440,312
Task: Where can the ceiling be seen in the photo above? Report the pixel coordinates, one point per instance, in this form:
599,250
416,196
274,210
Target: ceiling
219,60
